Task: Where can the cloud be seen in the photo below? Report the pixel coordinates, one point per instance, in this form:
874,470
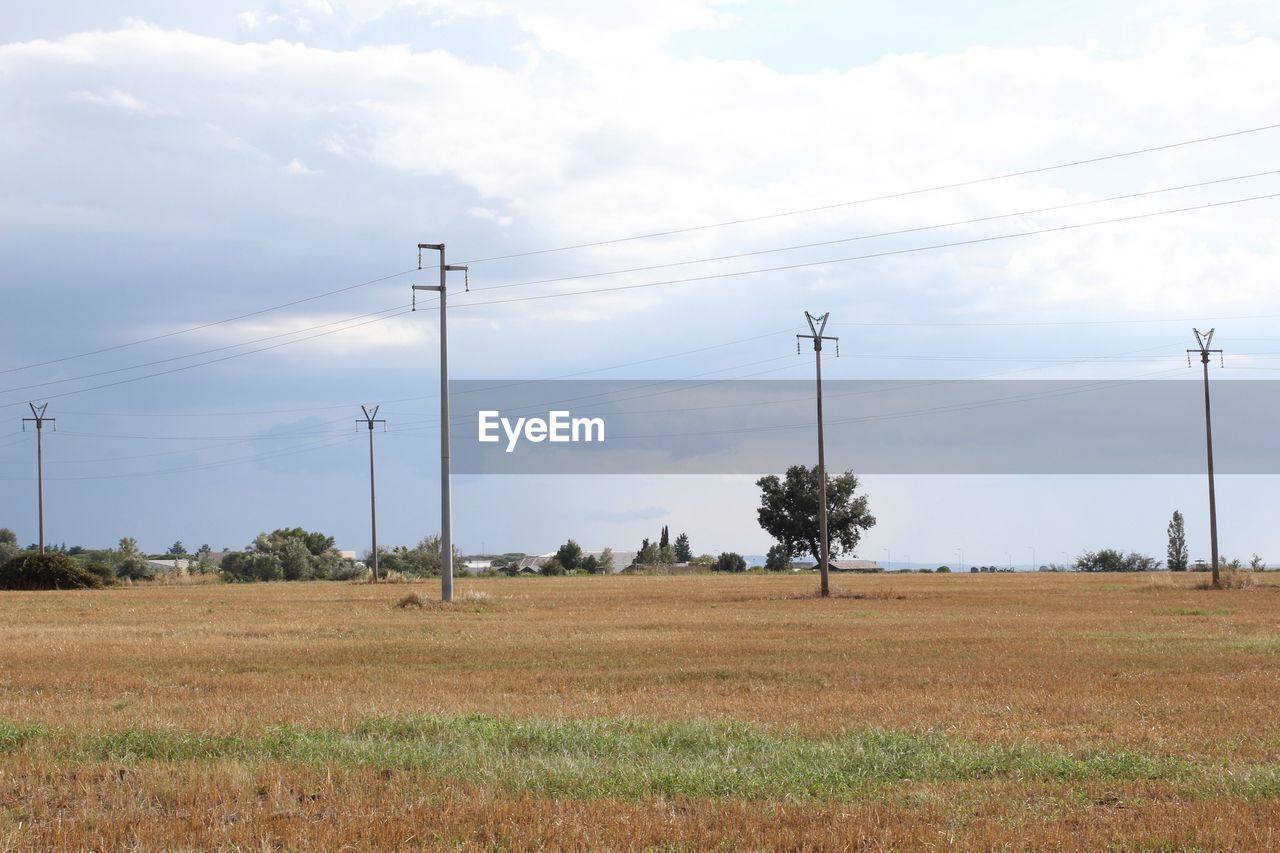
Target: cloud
297,167
115,99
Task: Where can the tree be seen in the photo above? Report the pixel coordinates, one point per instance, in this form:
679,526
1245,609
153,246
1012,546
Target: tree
590,564
1111,560
252,566
33,570
945,570
8,545
683,552
777,560
648,555
1257,563
130,564
1178,556
177,549
730,561
606,560
664,541
553,567
789,511
666,555
569,555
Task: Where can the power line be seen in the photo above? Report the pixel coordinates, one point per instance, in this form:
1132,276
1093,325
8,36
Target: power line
886,197
873,255
570,375
876,236
211,361
209,325
224,348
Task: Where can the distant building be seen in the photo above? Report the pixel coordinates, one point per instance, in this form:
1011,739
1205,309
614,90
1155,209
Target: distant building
866,566
178,564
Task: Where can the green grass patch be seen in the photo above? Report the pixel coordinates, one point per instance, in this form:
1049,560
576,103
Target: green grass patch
636,759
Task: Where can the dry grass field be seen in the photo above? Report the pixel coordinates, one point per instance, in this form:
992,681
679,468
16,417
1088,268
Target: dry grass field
909,712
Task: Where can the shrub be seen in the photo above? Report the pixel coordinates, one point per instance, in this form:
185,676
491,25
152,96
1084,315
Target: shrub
943,570
135,569
730,561
33,570
552,567
102,571
410,600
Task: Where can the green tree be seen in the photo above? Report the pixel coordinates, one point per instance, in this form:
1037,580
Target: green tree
648,555
1178,556
684,553
553,567
1111,560
33,570
8,545
730,561
789,511
252,566
129,563
1257,563
177,549
606,560
296,562
569,555
590,564
664,540
777,560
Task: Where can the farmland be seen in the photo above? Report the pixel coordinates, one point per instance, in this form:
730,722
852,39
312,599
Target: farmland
1037,711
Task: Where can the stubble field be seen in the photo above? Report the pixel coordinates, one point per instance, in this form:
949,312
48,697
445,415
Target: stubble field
908,712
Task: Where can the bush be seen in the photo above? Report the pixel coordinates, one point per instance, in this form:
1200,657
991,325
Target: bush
33,570
943,570
730,561
1111,560
134,569
552,567
251,566
102,571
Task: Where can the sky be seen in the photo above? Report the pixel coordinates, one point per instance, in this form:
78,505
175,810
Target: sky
170,171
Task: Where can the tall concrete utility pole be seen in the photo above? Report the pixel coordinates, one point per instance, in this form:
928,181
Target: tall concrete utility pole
371,418
1202,347
446,512
817,325
38,417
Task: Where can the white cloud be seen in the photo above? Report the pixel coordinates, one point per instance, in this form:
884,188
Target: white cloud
297,167
489,215
116,99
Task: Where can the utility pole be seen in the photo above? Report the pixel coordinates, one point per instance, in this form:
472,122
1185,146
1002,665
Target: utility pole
38,417
446,513
816,327
371,418
1202,347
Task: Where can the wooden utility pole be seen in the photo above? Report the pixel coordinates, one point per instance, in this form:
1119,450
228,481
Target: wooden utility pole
816,327
1202,347
371,418
39,419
